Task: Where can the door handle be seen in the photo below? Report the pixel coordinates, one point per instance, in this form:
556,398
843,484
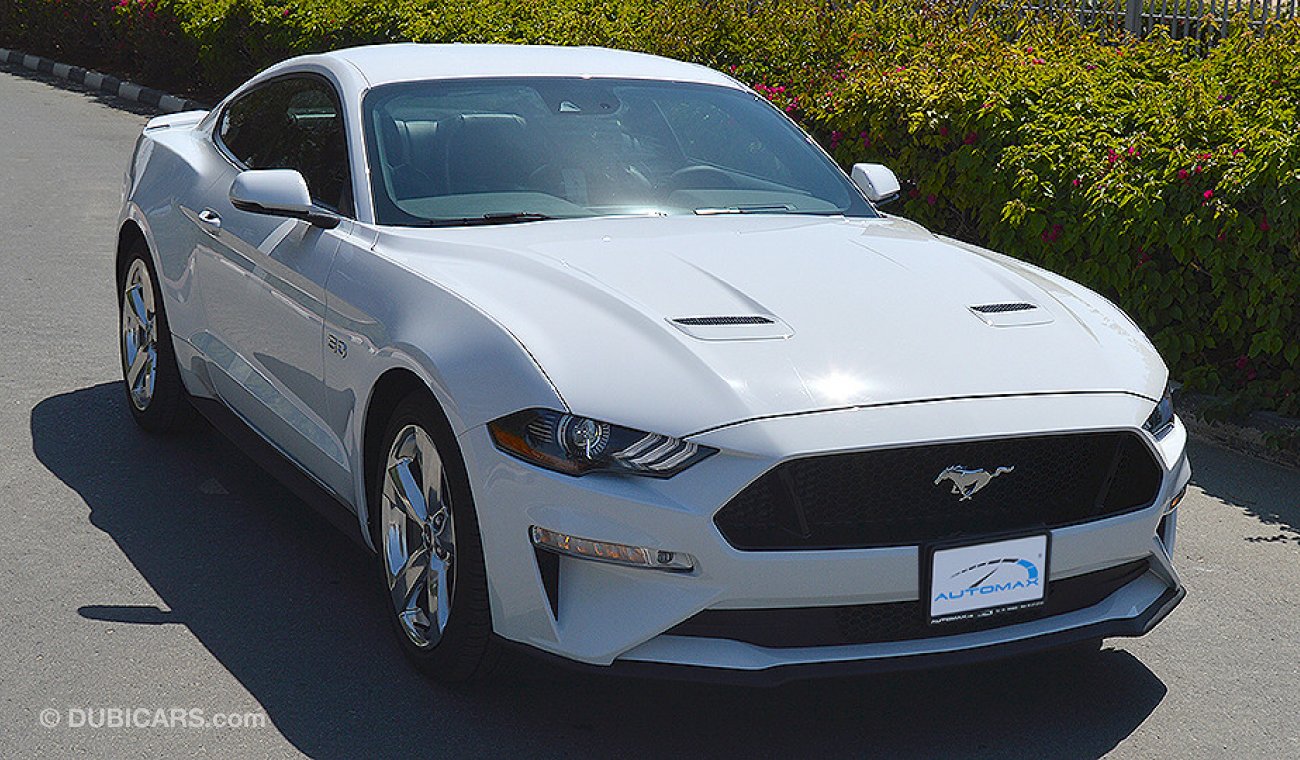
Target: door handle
210,218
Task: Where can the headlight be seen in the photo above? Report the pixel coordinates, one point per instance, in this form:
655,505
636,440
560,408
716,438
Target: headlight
1162,417
578,445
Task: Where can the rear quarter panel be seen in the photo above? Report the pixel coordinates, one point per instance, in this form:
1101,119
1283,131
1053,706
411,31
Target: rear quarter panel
172,167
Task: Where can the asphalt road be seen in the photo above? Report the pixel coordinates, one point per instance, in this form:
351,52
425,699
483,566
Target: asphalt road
143,572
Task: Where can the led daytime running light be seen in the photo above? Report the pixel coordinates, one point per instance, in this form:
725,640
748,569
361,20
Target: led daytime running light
605,551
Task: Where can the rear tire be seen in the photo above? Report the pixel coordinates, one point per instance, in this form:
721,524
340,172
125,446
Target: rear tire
430,556
155,393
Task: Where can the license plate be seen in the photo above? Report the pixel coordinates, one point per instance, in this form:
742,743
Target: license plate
978,580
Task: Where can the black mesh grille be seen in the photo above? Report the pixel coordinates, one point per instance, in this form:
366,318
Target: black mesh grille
722,321
998,308
890,497
894,621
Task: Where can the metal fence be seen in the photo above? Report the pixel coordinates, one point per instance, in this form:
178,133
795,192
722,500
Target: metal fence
1183,18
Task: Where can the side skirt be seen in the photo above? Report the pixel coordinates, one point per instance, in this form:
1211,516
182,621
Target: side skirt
280,467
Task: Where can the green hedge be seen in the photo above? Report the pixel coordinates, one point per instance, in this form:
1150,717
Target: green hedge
1161,173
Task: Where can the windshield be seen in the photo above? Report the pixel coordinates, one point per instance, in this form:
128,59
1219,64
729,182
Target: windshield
490,151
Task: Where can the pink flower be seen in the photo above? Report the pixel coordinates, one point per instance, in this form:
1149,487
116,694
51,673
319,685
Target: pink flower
836,136
971,138
1208,194
1038,61
1089,66
943,131
285,14
1182,174
1075,182
930,199
866,141
1050,235
1263,224
988,105
1242,361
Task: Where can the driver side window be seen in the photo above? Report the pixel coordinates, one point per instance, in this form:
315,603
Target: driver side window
293,123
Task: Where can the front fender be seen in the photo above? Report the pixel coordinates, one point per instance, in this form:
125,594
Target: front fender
389,317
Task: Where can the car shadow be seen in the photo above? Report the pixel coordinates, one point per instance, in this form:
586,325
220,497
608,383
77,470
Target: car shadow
285,603
1273,501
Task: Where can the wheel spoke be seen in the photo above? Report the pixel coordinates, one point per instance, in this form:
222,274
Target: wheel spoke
138,364
139,309
150,375
408,495
430,469
410,580
439,589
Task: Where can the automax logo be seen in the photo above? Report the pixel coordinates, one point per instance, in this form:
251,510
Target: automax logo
999,574
985,583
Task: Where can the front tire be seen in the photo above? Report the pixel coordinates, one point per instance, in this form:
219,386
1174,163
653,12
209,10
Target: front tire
426,531
155,393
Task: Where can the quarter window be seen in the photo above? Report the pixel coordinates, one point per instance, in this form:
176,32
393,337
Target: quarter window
293,123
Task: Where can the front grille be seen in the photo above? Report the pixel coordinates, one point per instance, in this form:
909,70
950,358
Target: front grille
893,621
890,497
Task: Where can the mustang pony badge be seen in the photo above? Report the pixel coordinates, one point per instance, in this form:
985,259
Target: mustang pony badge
966,482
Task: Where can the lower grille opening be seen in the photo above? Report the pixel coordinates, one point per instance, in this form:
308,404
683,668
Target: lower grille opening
893,621
548,566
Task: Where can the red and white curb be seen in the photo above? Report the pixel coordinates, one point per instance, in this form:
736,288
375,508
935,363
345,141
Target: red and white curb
101,82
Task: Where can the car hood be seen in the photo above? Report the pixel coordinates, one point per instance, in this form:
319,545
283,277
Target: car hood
862,312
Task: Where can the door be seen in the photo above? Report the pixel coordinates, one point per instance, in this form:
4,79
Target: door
263,280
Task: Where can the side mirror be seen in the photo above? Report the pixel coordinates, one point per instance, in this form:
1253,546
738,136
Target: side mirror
278,192
876,182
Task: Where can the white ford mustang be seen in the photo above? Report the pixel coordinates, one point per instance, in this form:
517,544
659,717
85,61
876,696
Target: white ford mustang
605,358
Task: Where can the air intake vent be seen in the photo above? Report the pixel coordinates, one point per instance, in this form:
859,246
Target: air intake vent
723,321
1000,308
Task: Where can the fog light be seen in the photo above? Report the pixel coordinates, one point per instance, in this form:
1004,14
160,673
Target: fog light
605,551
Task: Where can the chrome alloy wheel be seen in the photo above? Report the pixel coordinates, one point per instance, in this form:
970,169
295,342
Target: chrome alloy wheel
418,539
139,335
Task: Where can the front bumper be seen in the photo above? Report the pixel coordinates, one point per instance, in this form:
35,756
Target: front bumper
605,615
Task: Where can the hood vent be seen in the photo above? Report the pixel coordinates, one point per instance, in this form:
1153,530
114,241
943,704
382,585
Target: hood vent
733,327
1011,314
722,321
1000,308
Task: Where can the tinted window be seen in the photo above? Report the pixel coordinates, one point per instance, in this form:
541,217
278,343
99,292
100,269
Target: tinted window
445,152
293,124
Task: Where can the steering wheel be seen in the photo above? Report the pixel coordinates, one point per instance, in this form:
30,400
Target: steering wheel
699,177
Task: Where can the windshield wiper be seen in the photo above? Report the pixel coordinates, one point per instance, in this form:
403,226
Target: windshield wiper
780,208
506,217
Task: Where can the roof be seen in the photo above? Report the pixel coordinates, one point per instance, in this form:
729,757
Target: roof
405,62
